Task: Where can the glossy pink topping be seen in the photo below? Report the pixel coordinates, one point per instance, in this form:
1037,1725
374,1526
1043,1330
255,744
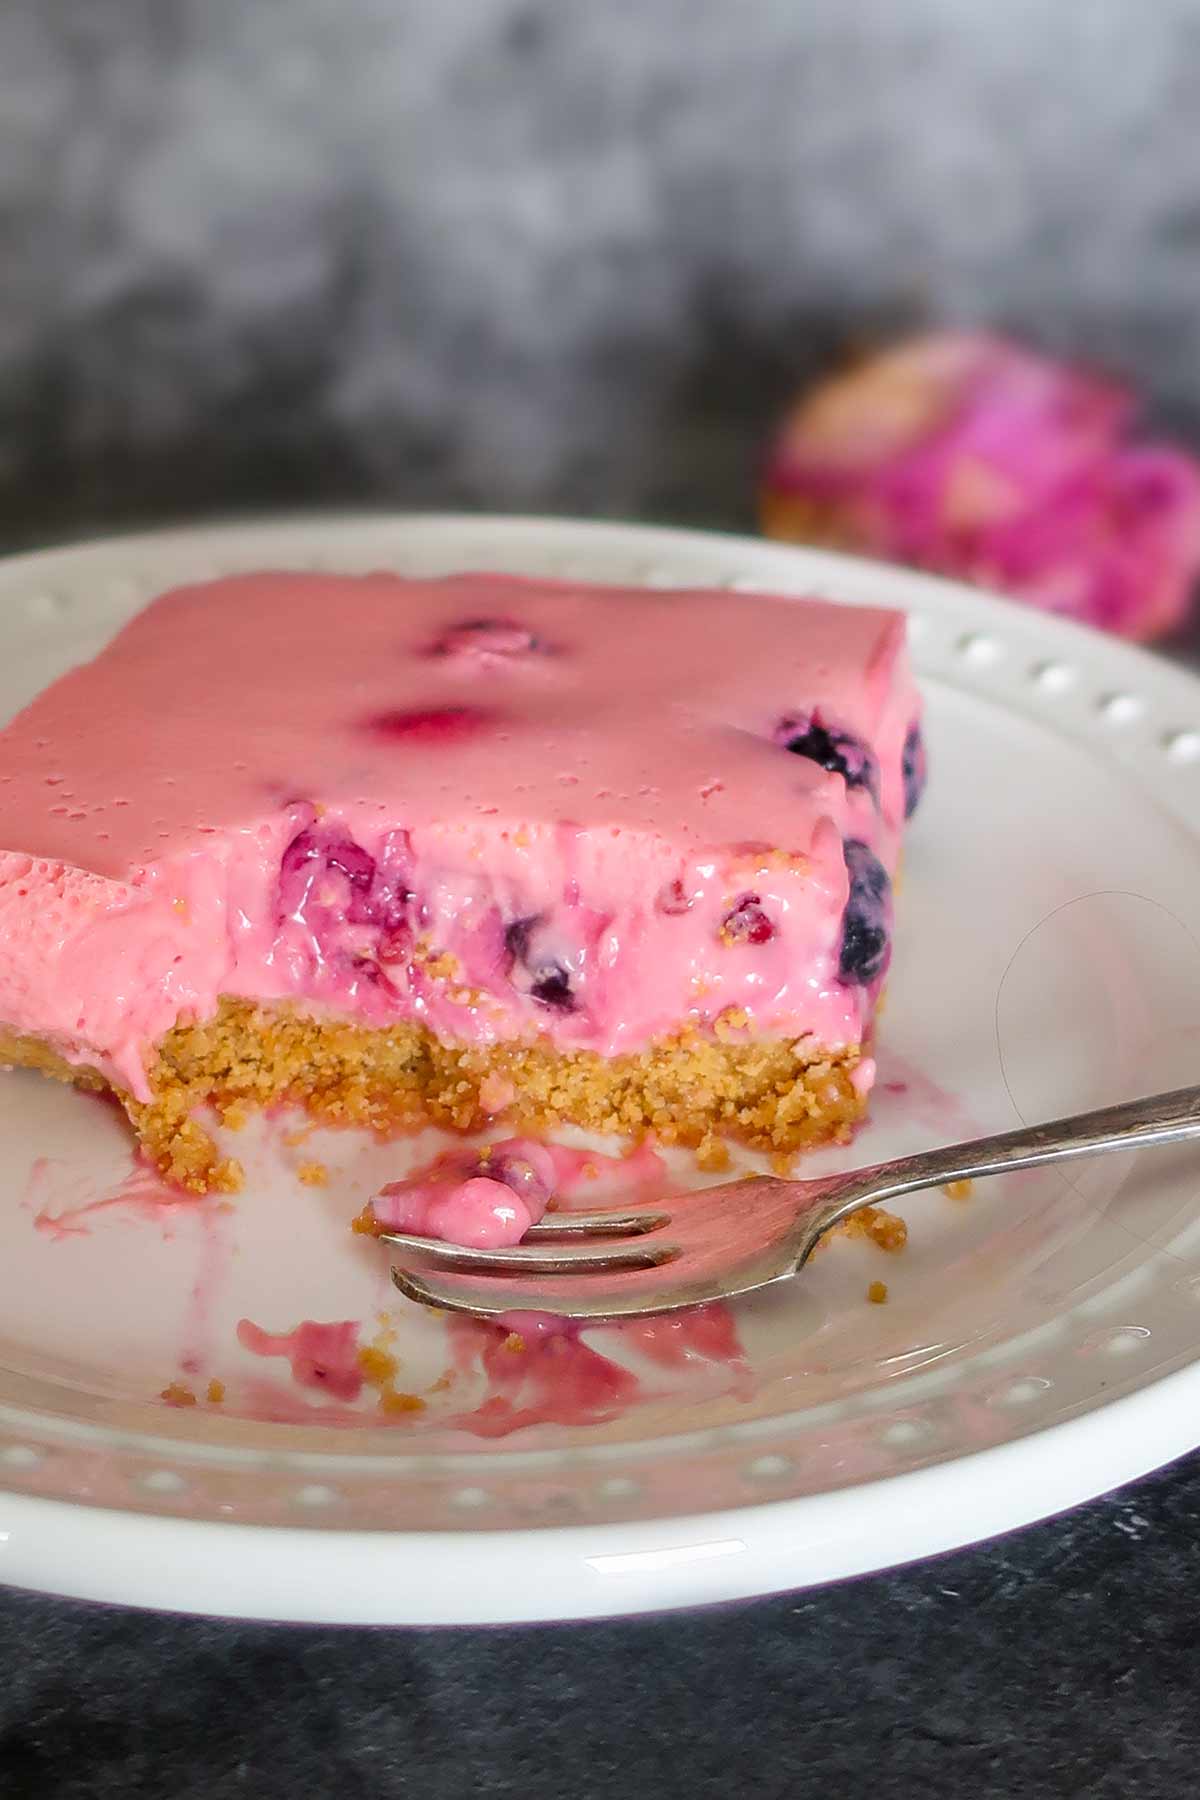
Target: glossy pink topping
507,808
486,1199
976,457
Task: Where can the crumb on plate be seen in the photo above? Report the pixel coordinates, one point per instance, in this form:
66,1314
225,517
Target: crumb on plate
392,1402
176,1394
883,1228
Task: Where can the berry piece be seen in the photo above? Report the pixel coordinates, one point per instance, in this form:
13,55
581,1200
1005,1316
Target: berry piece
673,898
912,767
866,937
432,725
303,848
486,637
386,901
328,881
517,936
552,988
549,981
395,942
525,1166
352,860
310,853
841,753
299,867
746,922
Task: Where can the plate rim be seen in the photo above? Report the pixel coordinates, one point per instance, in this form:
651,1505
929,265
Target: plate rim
355,1577
579,1571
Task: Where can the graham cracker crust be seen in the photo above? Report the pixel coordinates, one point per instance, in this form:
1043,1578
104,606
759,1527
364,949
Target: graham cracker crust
779,1095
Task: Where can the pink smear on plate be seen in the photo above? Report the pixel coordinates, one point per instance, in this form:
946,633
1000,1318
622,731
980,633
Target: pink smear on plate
546,1375
66,1207
321,1356
215,1226
541,1370
905,1094
140,1196
673,1340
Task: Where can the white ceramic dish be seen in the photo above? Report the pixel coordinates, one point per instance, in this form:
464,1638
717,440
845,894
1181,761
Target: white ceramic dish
1041,1342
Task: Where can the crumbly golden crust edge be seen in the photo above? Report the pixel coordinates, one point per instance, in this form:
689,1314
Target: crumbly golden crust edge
776,1095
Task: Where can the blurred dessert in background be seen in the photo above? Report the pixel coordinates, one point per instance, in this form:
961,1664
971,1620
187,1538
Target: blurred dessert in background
976,457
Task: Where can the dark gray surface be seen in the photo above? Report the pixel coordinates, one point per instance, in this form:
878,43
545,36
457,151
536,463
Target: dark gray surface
572,255
1061,1661
550,253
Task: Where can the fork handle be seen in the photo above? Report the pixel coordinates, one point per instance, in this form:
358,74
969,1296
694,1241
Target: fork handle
1158,1119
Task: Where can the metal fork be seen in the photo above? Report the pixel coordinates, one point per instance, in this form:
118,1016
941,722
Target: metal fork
727,1240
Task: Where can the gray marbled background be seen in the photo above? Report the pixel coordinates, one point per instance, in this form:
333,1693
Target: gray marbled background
564,254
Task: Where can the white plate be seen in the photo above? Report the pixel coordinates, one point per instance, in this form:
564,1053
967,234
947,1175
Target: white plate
1041,1340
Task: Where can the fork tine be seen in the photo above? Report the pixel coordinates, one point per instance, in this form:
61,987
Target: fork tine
607,1224
637,1294
567,1258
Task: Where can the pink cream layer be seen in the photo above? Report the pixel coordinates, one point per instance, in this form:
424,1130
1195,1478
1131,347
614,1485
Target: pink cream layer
509,809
